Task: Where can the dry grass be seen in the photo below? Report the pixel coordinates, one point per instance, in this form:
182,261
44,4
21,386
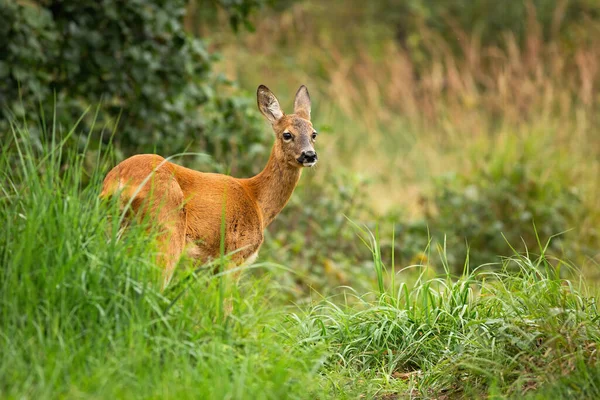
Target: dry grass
402,121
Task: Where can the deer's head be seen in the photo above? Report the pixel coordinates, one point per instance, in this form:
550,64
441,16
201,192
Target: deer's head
294,134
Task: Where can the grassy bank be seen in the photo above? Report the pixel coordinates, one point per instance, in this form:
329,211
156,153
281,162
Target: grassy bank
81,314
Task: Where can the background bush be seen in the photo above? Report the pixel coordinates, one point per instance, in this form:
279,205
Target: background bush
492,210
508,202
137,63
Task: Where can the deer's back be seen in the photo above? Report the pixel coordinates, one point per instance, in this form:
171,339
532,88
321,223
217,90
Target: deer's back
207,201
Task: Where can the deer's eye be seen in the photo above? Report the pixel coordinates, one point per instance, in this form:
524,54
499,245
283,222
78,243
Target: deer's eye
314,136
287,136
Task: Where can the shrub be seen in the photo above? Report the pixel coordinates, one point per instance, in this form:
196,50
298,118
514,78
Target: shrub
134,59
508,200
315,235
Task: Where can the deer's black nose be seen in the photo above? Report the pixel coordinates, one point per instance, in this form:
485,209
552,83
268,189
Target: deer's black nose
309,156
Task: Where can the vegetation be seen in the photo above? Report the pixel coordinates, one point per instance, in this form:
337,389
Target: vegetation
496,333
446,246
82,314
151,79
464,139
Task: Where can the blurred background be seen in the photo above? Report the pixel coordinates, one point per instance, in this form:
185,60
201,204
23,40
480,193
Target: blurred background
457,131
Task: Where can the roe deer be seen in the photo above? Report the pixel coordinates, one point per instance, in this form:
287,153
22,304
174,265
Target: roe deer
188,206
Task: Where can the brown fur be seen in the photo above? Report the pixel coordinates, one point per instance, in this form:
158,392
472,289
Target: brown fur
188,205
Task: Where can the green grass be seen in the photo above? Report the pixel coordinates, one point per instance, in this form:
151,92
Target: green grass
506,332
81,314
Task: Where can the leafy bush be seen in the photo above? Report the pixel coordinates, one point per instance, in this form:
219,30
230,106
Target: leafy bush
482,208
315,234
135,59
482,212
206,12
237,136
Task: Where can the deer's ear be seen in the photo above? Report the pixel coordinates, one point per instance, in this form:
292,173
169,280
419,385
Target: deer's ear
268,104
302,103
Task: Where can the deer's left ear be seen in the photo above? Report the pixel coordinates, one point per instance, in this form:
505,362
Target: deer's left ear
302,103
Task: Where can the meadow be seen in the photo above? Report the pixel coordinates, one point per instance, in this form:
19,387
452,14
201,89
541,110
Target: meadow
445,246
83,316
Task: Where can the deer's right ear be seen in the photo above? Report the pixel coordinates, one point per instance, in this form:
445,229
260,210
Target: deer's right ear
268,104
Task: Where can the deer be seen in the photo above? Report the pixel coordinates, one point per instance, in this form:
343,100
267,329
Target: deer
189,206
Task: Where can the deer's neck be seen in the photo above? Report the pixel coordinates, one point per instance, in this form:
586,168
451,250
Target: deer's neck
273,187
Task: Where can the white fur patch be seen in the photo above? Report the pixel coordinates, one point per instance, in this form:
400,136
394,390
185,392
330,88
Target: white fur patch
275,110
250,260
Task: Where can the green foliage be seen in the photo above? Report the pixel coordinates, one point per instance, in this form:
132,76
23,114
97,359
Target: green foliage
133,58
238,135
485,333
239,11
507,204
205,12
81,315
137,60
491,208
315,234
583,382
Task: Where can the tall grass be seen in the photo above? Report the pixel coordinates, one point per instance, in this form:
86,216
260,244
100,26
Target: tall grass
485,333
371,74
81,313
